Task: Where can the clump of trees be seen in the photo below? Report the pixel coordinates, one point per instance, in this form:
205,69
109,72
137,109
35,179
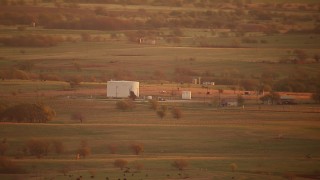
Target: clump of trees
28,112
31,41
42,147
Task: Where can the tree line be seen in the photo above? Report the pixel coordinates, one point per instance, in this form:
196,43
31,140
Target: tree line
27,113
99,18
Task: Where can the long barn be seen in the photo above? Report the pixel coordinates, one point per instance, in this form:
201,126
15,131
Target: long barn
121,89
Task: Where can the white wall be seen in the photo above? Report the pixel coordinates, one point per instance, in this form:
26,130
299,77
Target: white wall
186,94
121,89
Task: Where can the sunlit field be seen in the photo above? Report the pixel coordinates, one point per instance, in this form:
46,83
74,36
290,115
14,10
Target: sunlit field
59,55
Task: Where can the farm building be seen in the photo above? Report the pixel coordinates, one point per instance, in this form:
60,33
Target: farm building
121,89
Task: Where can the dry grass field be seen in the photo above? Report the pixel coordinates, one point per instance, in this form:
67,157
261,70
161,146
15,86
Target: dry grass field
245,47
258,142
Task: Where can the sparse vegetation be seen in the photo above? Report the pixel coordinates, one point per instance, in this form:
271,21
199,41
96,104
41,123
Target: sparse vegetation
180,164
137,148
120,163
125,105
61,53
176,113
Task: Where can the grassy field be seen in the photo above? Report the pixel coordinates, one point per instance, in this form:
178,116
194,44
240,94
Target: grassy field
254,141
259,142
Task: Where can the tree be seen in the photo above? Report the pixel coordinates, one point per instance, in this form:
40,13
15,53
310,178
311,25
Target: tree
3,147
120,163
301,55
240,100
132,96
176,113
58,146
233,167
272,97
84,150
153,104
316,96
26,112
9,167
137,148
38,147
78,116
125,105
113,148
162,112
180,164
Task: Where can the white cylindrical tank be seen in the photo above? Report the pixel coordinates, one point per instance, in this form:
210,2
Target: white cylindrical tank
186,94
121,89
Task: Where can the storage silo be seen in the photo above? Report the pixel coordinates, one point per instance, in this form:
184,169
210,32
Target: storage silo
186,95
121,89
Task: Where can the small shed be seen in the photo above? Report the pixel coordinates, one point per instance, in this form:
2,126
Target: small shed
186,95
121,89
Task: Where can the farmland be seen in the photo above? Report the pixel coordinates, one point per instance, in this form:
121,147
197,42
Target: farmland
62,53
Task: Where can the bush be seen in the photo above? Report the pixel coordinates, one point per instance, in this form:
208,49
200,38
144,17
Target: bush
120,163
3,147
180,164
84,150
38,147
162,112
77,116
153,104
125,105
113,148
176,113
58,146
9,167
137,148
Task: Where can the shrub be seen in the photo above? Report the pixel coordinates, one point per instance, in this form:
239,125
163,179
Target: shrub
162,112
233,167
9,167
132,96
138,166
125,105
137,148
120,163
3,147
38,147
180,164
77,116
176,113
153,104
58,146
84,150
113,148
